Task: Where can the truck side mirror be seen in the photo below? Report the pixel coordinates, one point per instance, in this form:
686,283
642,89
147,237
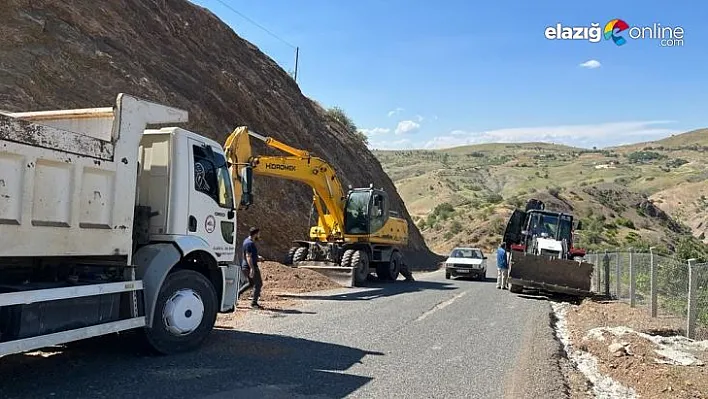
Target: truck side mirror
246,185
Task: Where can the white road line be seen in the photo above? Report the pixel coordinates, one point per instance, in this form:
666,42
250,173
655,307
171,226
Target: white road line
441,305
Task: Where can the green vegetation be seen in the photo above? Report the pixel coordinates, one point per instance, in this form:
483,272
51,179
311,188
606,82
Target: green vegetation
463,194
337,114
644,156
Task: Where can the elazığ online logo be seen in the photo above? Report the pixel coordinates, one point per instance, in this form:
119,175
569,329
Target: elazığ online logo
614,30
620,26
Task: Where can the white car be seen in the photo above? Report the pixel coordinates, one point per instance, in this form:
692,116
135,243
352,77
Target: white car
466,262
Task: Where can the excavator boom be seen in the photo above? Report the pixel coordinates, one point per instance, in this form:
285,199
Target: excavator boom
355,230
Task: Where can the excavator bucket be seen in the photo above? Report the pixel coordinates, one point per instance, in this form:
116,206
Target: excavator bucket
341,275
548,274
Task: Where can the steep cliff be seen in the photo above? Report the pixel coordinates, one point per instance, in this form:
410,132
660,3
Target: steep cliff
76,53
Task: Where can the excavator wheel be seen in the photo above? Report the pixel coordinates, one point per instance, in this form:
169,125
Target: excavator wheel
289,258
360,263
389,271
347,258
300,254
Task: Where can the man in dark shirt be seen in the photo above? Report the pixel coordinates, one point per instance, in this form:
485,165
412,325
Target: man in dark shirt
249,264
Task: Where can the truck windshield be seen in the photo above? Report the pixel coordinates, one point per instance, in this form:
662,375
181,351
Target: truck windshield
357,216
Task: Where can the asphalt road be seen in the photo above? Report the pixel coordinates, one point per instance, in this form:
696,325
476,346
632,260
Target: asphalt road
433,338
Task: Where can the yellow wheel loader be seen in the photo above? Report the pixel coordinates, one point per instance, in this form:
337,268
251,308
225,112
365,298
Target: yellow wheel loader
356,233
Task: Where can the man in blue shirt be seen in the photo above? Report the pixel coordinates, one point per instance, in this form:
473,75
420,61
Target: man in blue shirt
502,267
249,264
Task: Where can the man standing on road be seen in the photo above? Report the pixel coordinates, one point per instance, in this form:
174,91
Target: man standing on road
502,267
249,264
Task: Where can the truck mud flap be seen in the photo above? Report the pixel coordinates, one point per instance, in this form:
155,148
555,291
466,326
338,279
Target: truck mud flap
541,271
343,276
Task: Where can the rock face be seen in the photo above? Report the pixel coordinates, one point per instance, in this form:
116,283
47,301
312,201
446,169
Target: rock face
77,54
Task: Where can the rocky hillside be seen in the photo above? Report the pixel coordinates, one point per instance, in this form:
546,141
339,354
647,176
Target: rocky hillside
77,53
638,195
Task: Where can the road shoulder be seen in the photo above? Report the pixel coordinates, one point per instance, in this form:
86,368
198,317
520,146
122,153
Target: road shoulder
539,370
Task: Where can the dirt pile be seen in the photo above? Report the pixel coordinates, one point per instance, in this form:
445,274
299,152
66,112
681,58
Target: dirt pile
639,352
75,54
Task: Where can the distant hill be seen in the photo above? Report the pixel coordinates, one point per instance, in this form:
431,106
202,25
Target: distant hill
639,195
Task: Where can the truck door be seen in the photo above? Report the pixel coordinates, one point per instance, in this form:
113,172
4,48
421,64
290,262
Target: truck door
512,234
211,200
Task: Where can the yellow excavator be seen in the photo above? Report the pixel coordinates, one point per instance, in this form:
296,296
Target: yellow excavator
357,232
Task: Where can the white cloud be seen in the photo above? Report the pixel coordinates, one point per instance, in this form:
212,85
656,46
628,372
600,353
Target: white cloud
395,112
419,118
407,127
591,64
403,144
601,135
377,131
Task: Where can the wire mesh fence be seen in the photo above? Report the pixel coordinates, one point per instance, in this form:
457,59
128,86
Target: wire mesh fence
665,286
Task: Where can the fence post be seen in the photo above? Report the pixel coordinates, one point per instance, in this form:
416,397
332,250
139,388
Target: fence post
632,298
654,283
606,267
619,276
597,273
692,291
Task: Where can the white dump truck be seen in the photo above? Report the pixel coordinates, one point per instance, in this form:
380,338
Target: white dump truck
109,222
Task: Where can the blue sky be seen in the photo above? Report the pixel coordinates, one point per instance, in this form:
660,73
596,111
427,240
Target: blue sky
424,74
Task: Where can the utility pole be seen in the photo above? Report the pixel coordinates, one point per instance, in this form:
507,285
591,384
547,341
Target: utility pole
297,56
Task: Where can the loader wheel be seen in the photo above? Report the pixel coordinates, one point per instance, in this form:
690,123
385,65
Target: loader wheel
360,263
185,312
390,270
290,256
300,254
347,258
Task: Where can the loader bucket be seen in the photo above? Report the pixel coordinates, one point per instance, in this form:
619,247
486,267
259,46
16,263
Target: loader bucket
343,276
556,275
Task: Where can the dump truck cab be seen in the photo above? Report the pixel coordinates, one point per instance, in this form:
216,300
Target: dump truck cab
184,178
107,227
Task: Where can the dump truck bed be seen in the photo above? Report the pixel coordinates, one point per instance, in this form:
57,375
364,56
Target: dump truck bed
68,178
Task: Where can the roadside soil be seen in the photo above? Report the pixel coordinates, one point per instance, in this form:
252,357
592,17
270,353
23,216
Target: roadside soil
278,280
625,340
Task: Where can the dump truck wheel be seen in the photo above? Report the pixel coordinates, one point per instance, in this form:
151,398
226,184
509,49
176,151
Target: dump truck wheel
289,258
360,263
515,288
347,258
300,254
185,313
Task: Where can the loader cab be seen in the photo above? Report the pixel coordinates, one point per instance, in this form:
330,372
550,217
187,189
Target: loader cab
185,179
366,212
552,225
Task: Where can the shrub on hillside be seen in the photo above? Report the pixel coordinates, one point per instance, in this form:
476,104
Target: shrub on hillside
644,156
337,114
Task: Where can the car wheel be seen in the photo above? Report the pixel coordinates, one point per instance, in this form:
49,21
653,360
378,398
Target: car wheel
447,275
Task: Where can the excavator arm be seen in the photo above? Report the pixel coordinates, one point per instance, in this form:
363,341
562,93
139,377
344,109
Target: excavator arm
328,196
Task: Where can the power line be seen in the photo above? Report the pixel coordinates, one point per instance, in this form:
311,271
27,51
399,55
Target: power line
257,24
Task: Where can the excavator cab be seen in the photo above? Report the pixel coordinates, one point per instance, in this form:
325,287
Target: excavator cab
367,211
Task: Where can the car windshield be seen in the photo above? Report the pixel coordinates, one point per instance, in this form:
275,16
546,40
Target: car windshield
469,253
